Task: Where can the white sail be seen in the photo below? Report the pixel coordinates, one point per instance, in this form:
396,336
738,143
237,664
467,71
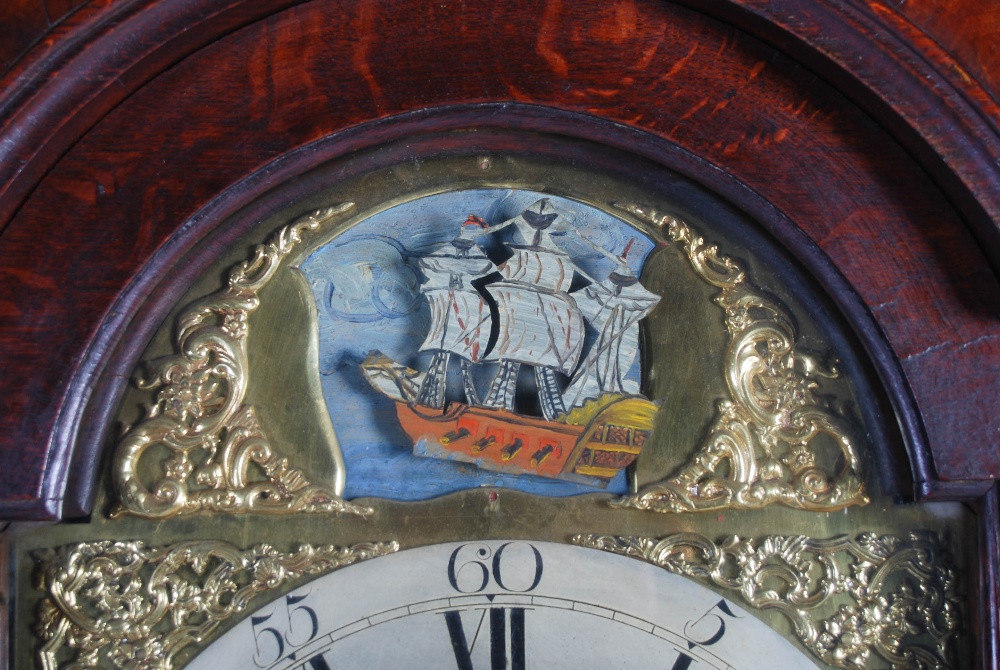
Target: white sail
460,316
541,324
615,313
540,268
460,323
538,321
537,328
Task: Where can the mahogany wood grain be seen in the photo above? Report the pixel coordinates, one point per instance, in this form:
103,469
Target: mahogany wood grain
302,74
135,127
162,106
24,22
903,80
57,10
5,608
968,31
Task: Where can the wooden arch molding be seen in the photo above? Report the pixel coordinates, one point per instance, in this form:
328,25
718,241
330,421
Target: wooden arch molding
121,129
133,129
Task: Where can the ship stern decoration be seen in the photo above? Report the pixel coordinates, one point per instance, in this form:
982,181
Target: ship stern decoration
525,306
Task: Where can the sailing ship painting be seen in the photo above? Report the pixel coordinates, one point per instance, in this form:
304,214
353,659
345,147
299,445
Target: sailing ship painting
526,361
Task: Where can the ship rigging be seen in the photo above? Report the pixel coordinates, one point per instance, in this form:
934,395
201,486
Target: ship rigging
525,313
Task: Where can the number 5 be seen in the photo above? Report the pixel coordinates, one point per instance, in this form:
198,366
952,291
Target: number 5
310,612
689,627
291,631
257,634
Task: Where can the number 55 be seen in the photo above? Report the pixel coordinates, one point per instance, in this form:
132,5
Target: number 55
270,640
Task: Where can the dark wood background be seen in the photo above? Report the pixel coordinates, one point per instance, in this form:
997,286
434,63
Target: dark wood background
129,129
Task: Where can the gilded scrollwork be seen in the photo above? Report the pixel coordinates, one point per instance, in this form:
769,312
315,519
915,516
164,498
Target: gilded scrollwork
866,602
776,439
124,605
206,445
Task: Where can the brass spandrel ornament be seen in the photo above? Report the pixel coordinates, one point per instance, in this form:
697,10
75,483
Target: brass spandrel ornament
214,455
865,602
126,605
765,444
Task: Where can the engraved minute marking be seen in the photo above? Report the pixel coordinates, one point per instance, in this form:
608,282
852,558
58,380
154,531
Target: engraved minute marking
513,608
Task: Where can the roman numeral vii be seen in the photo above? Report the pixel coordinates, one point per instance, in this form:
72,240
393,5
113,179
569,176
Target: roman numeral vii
500,638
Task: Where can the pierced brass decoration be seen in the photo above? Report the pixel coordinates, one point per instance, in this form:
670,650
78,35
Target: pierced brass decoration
766,445
869,602
210,451
123,605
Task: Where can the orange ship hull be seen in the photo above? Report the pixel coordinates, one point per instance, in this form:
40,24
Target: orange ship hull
499,440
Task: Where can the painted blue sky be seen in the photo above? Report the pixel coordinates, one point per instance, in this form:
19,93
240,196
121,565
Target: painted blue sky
366,283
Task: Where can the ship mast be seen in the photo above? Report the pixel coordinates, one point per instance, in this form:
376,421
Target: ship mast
460,316
614,308
538,322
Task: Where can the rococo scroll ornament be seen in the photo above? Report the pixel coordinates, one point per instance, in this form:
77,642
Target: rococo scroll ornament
124,605
770,439
865,602
206,444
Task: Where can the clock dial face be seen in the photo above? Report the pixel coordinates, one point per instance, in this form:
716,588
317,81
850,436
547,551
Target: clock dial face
501,604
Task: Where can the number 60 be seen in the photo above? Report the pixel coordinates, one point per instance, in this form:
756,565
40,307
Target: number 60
490,569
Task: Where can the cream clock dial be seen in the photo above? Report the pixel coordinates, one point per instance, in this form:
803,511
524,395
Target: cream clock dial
497,605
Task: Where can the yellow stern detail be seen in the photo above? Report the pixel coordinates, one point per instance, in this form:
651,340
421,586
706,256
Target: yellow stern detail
617,429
